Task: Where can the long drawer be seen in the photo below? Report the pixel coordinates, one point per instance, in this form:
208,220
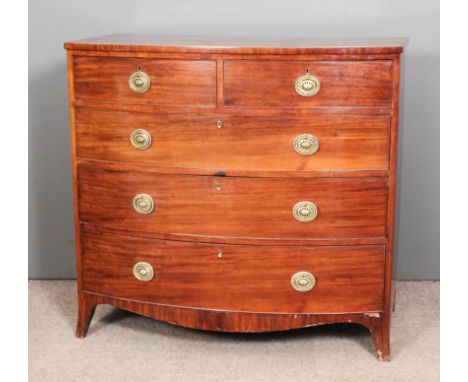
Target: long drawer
233,142
308,84
234,277
163,82
234,207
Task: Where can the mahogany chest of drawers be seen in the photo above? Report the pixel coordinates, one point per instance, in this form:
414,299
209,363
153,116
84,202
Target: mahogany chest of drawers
235,185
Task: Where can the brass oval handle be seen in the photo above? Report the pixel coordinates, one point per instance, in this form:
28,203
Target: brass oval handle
303,281
140,139
143,271
307,85
306,144
139,81
305,211
143,204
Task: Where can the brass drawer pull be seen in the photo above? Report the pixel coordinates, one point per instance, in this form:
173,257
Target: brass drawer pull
140,139
143,271
305,211
307,85
306,144
303,281
143,204
139,81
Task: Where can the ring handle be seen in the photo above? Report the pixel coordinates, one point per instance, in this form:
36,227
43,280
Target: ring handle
303,281
307,85
305,211
306,144
143,271
143,204
139,81
140,139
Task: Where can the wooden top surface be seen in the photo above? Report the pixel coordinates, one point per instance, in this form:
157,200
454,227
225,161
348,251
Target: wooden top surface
239,45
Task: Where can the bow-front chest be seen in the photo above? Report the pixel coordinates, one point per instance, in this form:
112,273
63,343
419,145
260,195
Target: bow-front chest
236,185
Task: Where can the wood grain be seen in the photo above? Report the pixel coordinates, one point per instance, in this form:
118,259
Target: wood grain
292,242
109,104
246,322
245,278
173,82
384,333
342,83
153,168
258,144
248,84
239,45
243,207
70,74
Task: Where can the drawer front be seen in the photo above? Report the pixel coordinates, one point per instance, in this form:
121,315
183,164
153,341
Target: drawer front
234,207
341,83
241,278
172,82
235,143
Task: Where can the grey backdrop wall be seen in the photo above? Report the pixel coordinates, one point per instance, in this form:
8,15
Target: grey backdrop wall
51,22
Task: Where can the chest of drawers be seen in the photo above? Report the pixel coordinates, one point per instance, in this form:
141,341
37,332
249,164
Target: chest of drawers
235,185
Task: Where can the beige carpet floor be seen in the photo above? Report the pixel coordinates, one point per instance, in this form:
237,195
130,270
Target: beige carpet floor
122,346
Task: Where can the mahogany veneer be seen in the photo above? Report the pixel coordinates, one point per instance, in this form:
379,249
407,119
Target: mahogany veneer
349,83
236,185
242,207
196,80
179,140
244,278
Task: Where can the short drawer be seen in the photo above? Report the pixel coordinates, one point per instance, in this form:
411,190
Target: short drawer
234,277
336,84
167,82
234,207
234,143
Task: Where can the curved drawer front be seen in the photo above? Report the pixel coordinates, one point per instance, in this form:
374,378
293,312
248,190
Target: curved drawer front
256,279
340,83
235,143
163,82
234,207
